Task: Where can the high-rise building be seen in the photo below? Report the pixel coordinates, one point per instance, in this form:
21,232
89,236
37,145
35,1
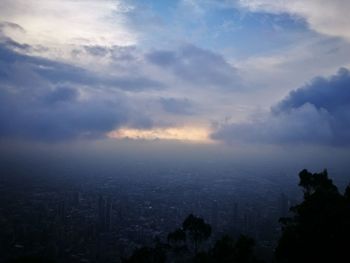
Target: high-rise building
235,215
108,213
101,214
62,211
214,214
104,213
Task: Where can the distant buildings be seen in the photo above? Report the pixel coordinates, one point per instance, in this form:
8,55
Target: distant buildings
104,213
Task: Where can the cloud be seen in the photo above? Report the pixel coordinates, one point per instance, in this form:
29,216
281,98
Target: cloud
68,120
67,22
317,113
61,94
115,52
326,17
197,66
294,66
58,72
4,26
177,106
147,94
302,125
41,99
331,94
9,25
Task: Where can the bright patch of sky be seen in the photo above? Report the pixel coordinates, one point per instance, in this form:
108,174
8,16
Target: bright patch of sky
226,29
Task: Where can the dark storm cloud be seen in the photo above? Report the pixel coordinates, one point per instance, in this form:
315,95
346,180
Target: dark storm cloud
39,99
24,118
197,66
57,72
115,52
133,83
8,41
99,51
318,113
61,94
330,94
177,106
13,44
6,24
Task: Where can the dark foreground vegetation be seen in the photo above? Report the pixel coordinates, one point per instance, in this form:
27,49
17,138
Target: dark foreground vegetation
318,231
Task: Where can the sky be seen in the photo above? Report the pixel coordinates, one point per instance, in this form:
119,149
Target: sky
238,73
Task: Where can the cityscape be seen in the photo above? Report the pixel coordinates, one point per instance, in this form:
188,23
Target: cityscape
104,219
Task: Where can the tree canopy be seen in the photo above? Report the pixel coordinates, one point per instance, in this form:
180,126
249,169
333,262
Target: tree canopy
319,230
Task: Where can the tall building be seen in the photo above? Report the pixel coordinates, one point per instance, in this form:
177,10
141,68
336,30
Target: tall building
75,199
101,221
214,214
108,213
235,215
62,211
104,213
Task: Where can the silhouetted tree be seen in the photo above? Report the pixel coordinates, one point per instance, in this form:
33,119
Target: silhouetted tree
198,231
224,250
177,241
147,255
203,257
177,238
347,194
244,252
177,244
32,259
319,231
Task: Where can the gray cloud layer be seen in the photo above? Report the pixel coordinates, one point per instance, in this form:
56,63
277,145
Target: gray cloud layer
318,113
197,66
177,106
327,17
43,99
46,100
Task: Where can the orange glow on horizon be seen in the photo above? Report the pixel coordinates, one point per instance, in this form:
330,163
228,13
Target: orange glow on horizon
191,134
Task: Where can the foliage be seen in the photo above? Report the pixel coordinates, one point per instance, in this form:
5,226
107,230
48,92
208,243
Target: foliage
319,231
197,230
147,255
194,229
178,237
226,250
